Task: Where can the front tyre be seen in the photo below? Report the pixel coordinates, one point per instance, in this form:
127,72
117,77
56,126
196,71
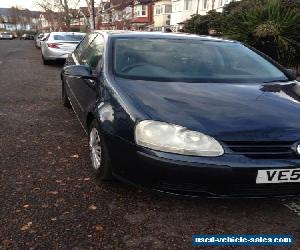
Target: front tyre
99,153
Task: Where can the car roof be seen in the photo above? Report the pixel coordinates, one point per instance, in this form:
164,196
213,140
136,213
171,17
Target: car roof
67,33
163,35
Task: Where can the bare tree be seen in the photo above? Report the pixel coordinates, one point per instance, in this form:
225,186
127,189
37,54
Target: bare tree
14,15
48,7
62,10
91,19
98,4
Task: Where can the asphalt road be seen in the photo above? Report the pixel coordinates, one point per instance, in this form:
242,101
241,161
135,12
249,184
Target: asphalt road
49,198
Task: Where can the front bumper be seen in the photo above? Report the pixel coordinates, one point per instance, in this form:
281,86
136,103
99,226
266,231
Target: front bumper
6,38
224,176
213,179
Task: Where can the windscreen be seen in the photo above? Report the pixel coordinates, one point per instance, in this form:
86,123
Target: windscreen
191,60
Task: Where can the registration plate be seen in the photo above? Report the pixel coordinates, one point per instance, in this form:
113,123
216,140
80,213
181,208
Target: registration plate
278,176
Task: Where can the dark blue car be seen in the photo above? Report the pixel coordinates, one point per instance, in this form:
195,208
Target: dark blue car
186,114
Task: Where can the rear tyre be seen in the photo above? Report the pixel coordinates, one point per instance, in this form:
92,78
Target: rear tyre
45,62
99,153
65,98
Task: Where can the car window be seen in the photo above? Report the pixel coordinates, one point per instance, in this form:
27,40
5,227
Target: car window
93,54
66,37
83,45
191,60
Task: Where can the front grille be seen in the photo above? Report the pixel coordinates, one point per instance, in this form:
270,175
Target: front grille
280,189
263,149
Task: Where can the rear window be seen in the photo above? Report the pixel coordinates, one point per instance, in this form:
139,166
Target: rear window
75,38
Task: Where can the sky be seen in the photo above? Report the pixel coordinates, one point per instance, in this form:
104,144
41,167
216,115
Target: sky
29,4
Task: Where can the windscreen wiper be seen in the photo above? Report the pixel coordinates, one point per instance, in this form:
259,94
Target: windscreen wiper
272,81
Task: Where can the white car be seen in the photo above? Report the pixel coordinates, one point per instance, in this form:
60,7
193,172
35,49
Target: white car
38,40
6,35
58,45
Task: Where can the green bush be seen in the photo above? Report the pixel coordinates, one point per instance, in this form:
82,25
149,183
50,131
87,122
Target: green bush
271,26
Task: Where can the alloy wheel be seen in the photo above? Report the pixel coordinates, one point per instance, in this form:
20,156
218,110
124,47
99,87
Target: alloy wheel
95,148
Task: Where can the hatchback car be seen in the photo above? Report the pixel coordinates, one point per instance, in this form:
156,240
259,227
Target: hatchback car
186,114
58,45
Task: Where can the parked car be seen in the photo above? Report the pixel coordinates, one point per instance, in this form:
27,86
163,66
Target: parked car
27,37
186,114
58,45
38,40
44,38
6,36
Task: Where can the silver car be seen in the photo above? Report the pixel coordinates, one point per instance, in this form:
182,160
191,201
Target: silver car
6,35
38,39
58,45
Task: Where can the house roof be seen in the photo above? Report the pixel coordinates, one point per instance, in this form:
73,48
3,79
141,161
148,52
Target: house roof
7,12
4,11
85,11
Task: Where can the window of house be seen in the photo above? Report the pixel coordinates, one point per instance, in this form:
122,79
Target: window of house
163,9
187,4
168,8
176,7
144,10
158,10
140,10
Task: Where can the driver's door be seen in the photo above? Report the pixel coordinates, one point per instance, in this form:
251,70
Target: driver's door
85,90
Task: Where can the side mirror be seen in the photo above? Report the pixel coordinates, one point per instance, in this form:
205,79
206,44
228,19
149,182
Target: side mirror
80,71
292,73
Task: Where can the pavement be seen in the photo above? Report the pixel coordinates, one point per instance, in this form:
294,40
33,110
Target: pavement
50,199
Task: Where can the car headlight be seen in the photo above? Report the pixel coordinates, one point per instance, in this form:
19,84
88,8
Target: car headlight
171,138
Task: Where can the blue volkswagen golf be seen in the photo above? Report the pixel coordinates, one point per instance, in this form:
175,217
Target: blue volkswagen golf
186,114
